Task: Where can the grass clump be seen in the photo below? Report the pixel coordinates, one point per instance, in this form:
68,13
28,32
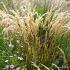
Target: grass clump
35,38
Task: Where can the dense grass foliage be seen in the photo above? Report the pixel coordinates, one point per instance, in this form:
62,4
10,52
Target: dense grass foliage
34,37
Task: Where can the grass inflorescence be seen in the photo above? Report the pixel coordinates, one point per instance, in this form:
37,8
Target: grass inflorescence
34,37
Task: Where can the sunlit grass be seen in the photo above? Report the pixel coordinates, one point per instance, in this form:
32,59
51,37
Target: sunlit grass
34,38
